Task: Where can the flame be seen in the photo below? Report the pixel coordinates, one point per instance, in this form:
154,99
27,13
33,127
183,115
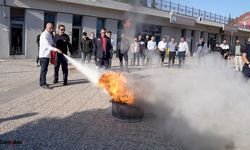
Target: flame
116,85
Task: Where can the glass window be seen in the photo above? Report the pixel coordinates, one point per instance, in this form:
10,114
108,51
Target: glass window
138,29
144,27
152,29
99,25
50,17
120,30
77,20
157,29
17,14
120,25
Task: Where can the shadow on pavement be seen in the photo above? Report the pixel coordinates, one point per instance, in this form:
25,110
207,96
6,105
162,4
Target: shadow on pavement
17,117
97,129
70,82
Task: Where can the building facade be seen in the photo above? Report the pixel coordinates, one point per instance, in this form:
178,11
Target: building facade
22,20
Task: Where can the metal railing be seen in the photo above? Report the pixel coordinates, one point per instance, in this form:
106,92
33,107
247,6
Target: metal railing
186,11
169,6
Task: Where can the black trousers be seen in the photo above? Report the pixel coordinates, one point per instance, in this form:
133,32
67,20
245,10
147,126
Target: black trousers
125,56
44,63
110,60
171,58
162,55
103,62
61,60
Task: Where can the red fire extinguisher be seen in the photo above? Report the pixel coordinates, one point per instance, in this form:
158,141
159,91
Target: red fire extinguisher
53,57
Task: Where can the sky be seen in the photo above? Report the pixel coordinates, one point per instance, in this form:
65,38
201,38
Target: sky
220,7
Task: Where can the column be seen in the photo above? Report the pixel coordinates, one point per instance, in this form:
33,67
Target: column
188,38
4,32
89,24
66,20
34,20
218,38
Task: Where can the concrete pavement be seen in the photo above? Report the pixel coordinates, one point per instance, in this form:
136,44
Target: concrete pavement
77,116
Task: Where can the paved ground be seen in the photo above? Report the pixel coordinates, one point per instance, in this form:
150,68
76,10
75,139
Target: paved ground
77,116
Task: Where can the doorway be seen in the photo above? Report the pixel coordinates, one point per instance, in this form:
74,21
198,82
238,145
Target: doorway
17,36
76,39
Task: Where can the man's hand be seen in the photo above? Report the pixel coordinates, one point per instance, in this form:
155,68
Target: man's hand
249,66
58,50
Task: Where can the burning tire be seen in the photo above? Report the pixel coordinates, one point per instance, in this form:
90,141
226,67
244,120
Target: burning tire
125,112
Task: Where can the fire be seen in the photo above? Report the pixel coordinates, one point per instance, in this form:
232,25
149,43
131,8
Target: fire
116,85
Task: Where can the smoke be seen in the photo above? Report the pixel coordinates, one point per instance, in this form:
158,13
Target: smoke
205,105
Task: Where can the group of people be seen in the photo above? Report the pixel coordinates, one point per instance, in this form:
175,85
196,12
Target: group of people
138,51
240,54
232,52
100,47
144,51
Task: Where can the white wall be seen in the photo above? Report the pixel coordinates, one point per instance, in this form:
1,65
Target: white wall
188,38
196,38
4,33
171,32
205,35
89,24
218,38
66,20
34,20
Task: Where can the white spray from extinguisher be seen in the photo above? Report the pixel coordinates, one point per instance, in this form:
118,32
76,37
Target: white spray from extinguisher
90,71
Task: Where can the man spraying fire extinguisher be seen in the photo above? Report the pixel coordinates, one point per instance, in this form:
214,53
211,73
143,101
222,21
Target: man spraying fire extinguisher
46,42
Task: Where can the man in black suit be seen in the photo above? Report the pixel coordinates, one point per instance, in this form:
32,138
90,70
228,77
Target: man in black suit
102,48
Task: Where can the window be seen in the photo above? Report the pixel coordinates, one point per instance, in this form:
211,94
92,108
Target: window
17,14
99,25
50,17
119,30
77,20
17,31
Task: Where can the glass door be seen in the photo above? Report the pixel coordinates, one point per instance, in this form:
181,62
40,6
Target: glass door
17,36
76,38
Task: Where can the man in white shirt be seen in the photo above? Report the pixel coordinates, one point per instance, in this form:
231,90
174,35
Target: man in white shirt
151,50
224,49
134,51
46,42
183,49
162,49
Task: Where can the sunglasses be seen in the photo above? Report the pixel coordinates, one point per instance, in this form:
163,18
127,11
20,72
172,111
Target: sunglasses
62,29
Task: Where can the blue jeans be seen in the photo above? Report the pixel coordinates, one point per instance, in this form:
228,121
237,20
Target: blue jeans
181,56
86,56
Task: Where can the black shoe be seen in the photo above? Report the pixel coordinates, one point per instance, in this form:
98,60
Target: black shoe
46,87
55,81
65,83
